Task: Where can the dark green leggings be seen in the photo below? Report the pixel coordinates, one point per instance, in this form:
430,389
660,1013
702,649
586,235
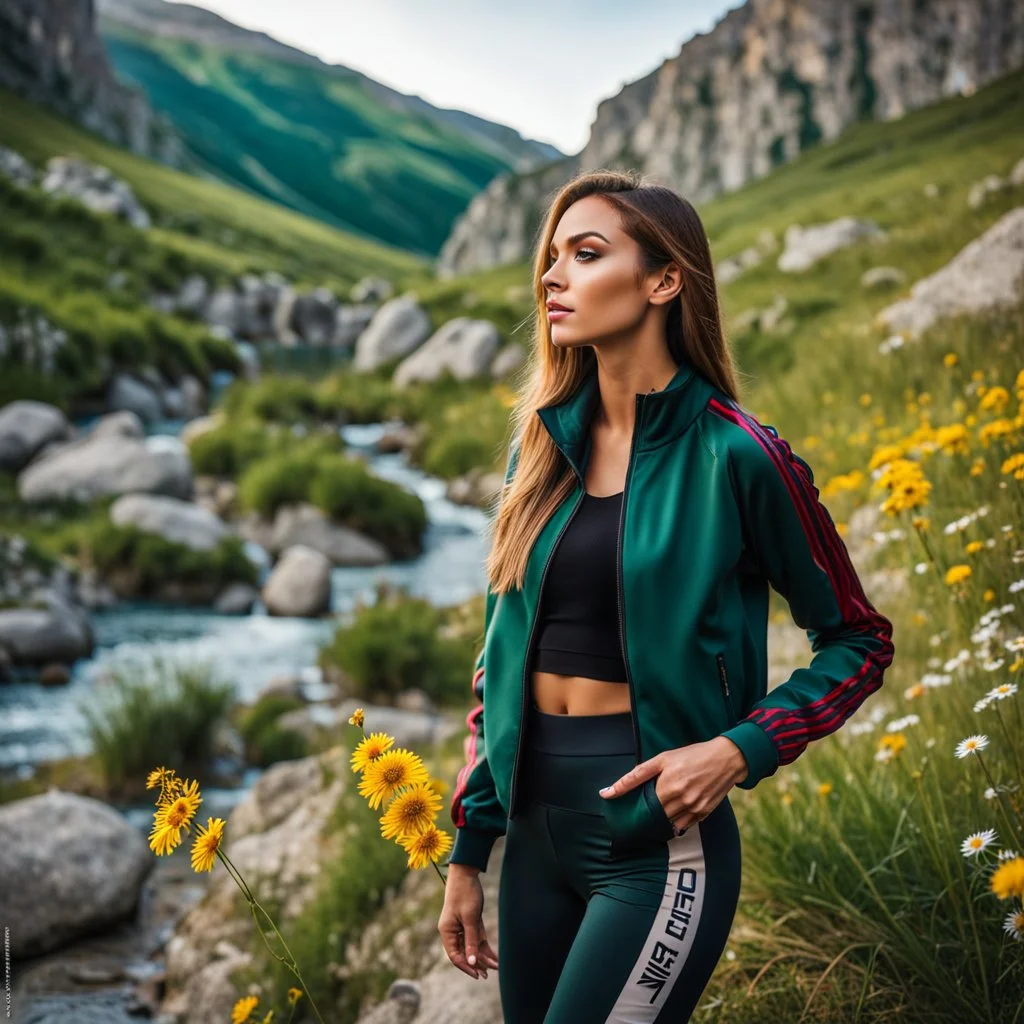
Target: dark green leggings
603,914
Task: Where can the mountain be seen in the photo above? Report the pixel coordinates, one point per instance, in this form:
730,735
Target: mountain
769,81
321,138
50,54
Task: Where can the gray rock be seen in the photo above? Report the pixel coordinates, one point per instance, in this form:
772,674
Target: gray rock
299,584
462,347
26,426
397,328
171,518
371,289
14,166
236,599
508,360
124,393
35,636
92,467
313,317
71,866
805,246
882,277
986,274
307,525
95,187
119,424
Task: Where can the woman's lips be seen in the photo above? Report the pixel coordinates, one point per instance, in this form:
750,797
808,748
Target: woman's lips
557,314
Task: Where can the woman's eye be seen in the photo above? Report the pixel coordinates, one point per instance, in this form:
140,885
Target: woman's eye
587,252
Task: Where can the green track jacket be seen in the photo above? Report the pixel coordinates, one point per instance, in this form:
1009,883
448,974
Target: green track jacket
716,506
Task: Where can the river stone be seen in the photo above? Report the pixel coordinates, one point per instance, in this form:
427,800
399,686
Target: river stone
299,584
71,866
182,522
25,427
308,525
124,392
236,599
119,424
92,467
398,327
985,274
462,346
35,636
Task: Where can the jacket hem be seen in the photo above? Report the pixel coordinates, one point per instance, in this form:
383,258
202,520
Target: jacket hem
473,847
758,750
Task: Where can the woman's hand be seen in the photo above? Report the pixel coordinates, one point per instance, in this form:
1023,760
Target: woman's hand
461,923
693,779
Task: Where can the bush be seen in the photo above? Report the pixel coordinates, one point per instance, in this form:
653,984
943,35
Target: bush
277,480
399,643
265,742
163,715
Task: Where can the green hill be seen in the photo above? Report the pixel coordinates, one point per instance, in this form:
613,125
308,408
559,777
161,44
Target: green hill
318,138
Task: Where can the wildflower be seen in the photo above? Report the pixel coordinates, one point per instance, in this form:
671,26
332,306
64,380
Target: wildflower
901,723
370,749
787,798
411,811
971,745
1014,924
957,574
995,399
982,702
893,742
389,773
1015,465
357,717
167,780
950,359
978,841
243,1009
170,818
426,846
294,995
1008,879
204,849
824,789
1007,854
1002,691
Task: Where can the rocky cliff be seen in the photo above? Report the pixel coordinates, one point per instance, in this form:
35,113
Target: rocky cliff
771,79
51,54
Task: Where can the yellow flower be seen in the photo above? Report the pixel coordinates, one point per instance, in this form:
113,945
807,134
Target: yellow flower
389,773
921,523
824,789
787,798
989,595
994,430
204,849
166,779
950,359
426,847
170,818
1015,465
294,995
243,1009
957,574
893,742
357,717
974,546
978,467
1008,879
865,399
887,453
912,692
413,810
369,749
953,439
995,399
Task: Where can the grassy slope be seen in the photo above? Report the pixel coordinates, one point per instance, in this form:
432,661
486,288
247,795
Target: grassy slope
313,140
208,220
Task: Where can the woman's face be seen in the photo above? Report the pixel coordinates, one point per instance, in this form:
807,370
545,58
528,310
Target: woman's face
594,276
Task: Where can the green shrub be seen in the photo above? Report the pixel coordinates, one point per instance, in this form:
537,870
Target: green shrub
161,715
277,480
399,643
265,741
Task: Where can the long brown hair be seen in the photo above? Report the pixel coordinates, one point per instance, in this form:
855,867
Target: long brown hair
667,229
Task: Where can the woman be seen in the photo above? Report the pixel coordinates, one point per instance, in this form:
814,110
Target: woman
651,512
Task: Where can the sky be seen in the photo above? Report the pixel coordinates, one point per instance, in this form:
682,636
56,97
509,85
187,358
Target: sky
539,67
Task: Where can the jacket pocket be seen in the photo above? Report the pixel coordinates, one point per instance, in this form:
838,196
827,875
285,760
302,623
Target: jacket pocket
723,683
637,818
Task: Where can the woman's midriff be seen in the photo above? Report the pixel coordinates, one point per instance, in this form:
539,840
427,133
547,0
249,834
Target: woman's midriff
558,694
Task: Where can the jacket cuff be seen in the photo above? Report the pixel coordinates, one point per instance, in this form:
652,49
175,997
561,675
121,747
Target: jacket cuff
472,846
758,750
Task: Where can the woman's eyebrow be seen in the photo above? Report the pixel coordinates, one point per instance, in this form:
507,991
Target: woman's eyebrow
573,239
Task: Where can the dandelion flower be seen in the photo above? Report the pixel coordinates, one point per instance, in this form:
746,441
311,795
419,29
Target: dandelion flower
357,717
170,818
369,749
1008,879
892,742
243,1009
957,574
204,849
824,789
426,847
1014,924
413,810
971,745
978,841
294,995
389,773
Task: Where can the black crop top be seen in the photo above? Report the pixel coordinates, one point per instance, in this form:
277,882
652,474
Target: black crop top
579,612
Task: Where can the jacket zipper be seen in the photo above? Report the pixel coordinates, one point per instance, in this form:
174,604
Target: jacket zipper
723,678
529,650
638,422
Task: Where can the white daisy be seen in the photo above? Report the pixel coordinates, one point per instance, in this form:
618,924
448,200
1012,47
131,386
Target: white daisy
1014,924
898,724
883,754
977,841
991,664
1002,691
981,703
1008,854
971,745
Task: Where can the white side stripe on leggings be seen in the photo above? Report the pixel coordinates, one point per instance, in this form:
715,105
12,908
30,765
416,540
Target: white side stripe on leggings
671,936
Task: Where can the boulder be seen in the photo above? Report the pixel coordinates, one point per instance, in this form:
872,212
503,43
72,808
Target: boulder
182,522
95,187
462,347
397,328
236,599
803,247
26,426
307,525
36,636
508,359
71,865
299,584
127,393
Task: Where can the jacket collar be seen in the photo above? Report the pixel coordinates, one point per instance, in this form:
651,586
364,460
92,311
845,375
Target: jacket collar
661,415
